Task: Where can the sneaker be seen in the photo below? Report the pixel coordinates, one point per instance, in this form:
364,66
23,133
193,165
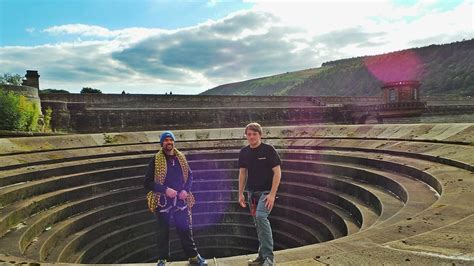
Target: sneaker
161,263
198,260
268,262
258,261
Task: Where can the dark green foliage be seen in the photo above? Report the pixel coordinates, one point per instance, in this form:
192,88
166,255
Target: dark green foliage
53,91
90,90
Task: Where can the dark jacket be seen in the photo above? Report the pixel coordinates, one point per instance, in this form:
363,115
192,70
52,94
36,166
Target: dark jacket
174,177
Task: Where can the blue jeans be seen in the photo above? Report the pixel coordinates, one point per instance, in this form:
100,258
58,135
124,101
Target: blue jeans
260,218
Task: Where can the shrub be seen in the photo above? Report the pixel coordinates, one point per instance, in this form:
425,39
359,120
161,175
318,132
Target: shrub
17,113
46,91
29,115
47,119
9,111
90,90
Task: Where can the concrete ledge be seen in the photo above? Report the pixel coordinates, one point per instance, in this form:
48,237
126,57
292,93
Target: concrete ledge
446,133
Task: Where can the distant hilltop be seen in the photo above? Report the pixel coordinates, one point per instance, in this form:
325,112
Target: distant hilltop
446,69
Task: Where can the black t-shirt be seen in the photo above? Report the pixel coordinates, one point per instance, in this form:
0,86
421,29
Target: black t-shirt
259,163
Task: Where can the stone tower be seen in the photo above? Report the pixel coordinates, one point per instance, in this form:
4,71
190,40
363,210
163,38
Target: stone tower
32,79
401,91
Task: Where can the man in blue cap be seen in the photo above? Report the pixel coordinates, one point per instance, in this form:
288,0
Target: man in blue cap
169,180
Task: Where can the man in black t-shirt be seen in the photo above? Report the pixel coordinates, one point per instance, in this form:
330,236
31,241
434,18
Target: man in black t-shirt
259,165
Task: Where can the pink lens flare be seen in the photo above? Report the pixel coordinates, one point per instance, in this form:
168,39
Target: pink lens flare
404,65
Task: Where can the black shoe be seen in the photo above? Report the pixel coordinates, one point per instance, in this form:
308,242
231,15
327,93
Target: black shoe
198,260
258,261
161,263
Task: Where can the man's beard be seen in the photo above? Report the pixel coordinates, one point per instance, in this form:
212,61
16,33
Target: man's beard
169,147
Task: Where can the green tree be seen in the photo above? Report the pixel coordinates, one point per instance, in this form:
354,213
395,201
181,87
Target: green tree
53,91
11,79
90,90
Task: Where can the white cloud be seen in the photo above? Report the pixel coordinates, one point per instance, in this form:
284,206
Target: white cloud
401,24
127,35
80,29
272,38
211,3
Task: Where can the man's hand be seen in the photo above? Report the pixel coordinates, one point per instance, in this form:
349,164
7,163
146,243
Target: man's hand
269,201
183,194
171,193
242,200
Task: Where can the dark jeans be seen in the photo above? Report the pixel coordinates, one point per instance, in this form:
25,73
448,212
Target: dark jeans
183,228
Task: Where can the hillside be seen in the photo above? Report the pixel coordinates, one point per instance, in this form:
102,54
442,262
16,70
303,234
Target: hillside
446,69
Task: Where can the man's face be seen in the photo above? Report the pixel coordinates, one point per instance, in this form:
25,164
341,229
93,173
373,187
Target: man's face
168,144
253,137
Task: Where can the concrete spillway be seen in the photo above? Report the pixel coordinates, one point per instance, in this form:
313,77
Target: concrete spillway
349,193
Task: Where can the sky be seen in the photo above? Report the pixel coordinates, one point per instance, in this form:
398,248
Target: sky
187,47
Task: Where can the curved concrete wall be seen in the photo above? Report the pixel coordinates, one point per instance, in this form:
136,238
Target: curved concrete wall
349,194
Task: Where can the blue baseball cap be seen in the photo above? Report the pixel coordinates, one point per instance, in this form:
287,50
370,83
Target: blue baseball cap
166,134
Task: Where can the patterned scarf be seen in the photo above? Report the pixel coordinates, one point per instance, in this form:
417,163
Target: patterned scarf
153,198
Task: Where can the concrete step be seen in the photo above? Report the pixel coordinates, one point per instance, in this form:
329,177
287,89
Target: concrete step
32,173
38,187
80,239
132,244
330,208
69,210
18,211
197,231
377,177
49,241
355,194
